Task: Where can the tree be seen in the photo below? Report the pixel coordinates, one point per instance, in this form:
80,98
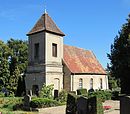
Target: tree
19,56
5,53
13,63
21,86
18,63
120,57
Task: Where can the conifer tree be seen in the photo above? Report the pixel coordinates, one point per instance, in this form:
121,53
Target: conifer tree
120,57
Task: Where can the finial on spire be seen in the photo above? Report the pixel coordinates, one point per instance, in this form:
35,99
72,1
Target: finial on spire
45,11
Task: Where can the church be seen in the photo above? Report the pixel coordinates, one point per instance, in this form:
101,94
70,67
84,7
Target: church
66,67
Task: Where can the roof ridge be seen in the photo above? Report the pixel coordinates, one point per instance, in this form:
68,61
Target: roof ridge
45,23
79,48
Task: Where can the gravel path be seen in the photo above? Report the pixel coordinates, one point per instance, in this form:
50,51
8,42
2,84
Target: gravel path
115,107
61,109
53,110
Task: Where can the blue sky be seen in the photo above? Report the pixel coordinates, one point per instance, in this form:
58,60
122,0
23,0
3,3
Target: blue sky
89,24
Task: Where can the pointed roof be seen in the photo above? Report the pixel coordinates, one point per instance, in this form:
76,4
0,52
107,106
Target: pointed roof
79,60
45,23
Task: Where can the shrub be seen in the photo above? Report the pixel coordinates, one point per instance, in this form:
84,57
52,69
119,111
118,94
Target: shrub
2,94
108,95
99,106
46,91
43,102
73,92
71,104
115,95
95,105
104,95
10,102
62,96
82,92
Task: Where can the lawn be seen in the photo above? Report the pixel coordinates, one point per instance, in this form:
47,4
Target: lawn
7,103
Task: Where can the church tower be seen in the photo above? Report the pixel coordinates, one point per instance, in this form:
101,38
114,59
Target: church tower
45,56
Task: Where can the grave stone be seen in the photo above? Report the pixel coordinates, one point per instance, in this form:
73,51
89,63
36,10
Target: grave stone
82,107
27,100
92,105
125,105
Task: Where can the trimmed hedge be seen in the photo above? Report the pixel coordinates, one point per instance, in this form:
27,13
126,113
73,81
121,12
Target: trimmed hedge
94,104
82,92
43,103
71,107
99,106
103,95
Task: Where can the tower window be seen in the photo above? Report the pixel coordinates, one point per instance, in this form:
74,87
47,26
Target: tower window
54,50
36,51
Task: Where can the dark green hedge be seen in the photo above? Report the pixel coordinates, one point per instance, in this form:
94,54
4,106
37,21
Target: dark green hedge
43,102
95,105
71,104
103,95
82,92
99,106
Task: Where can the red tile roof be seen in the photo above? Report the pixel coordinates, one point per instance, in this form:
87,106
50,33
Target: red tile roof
45,23
81,61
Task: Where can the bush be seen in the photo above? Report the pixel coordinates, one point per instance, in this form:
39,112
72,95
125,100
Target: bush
62,96
10,102
104,95
115,95
43,103
71,104
95,105
82,92
73,92
46,91
99,106
2,94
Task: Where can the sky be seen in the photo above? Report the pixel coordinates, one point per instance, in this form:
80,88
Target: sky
88,24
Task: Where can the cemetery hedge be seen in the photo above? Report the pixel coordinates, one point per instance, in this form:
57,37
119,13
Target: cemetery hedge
71,103
43,103
82,92
95,102
103,95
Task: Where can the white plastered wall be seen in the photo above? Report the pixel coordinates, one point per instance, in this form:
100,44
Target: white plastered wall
54,68
86,81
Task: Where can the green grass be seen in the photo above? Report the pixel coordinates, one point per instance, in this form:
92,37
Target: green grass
7,103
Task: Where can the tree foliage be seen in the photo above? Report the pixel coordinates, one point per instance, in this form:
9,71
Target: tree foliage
120,57
13,63
5,52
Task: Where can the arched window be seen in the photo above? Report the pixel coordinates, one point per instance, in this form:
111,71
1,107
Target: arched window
56,84
80,83
91,83
101,87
